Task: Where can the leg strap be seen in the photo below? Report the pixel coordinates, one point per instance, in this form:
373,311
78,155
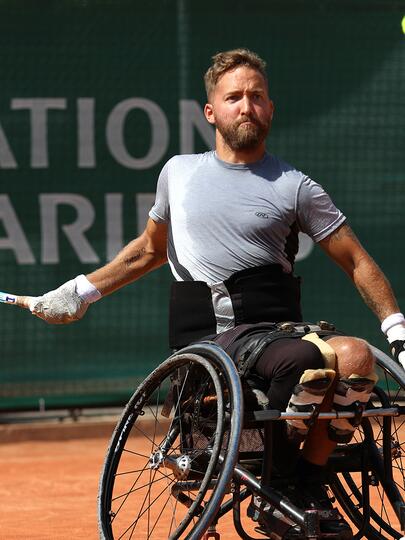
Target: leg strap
351,394
307,396
328,354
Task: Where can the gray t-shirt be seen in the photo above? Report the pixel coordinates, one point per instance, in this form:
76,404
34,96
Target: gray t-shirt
226,217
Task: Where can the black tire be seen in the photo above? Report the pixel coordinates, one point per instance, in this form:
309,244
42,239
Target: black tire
381,443
173,489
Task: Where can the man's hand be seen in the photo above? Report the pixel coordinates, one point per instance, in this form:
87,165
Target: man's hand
66,304
61,306
398,351
393,327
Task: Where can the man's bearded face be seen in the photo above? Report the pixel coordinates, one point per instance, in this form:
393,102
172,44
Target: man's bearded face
244,134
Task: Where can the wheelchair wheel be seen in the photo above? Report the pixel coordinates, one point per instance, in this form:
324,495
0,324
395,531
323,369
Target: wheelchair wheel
173,451
374,496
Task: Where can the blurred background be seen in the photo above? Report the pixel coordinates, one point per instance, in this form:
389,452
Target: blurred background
96,95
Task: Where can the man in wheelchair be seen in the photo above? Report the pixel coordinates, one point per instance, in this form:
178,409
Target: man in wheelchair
227,221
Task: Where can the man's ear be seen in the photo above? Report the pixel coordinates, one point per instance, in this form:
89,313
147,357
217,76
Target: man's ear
209,113
271,109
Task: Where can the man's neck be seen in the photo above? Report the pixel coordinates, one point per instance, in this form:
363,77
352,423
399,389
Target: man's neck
239,156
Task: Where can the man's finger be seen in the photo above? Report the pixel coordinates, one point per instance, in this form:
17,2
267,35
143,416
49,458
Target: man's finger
24,301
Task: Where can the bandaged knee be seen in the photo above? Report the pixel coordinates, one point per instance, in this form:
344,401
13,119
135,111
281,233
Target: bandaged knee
309,393
351,394
307,397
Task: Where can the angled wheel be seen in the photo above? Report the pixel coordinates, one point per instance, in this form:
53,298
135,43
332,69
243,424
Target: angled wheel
373,494
172,454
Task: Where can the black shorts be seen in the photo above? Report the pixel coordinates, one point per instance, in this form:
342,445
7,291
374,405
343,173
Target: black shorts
271,360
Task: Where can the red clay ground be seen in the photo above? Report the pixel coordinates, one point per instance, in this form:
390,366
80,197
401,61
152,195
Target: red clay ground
48,489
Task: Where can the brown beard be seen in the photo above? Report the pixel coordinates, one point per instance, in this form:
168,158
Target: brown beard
245,138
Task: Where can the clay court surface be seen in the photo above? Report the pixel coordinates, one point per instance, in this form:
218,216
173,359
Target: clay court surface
48,488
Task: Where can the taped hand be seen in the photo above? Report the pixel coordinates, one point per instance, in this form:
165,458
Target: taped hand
60,306
67,303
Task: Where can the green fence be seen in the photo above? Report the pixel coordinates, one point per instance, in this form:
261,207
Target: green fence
96,95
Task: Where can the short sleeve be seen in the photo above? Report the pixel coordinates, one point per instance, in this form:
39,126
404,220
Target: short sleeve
317,215
160,211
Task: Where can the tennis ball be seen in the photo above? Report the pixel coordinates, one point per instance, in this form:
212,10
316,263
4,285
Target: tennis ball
403,24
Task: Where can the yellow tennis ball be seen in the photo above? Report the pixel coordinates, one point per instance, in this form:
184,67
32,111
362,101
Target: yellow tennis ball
403,24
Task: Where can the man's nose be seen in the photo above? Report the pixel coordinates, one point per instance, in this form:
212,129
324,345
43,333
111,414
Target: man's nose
246,105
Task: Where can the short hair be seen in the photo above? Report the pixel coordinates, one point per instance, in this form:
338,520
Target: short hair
229,60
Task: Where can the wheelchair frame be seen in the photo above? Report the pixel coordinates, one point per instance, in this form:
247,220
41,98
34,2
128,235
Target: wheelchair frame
195,456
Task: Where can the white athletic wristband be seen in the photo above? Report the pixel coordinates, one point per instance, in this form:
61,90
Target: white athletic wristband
86,290
392,320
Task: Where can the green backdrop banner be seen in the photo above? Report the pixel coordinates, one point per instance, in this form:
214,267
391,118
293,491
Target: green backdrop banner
96,95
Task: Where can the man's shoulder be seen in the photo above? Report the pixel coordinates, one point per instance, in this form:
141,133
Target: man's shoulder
190,159
285,171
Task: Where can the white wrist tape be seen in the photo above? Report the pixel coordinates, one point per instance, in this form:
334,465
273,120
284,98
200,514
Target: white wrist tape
86,290
392,320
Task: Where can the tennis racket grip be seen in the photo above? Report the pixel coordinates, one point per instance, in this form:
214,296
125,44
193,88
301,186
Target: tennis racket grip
21,301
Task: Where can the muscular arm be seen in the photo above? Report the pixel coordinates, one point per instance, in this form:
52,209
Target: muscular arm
345,249
67,304
137,258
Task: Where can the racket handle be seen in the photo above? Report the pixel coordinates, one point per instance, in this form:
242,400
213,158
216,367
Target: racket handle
21,301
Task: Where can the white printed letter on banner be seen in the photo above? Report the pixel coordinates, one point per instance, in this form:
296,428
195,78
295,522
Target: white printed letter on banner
159,133
39,125
74,232
15,239
192,117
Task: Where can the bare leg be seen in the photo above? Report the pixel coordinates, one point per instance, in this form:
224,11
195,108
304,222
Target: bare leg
352,356
317,446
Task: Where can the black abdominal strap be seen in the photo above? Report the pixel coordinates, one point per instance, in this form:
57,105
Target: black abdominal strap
264,293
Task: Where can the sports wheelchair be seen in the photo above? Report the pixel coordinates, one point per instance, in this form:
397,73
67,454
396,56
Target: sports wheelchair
186,451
